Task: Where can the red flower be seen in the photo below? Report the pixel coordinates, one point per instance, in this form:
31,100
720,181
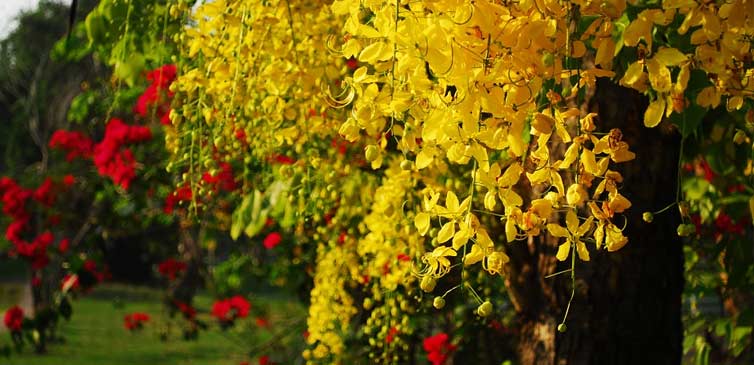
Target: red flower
352,64
223,179
111,158
438,348
170,268
14,318
188,311
281,159
391,334
44,194
264,360
229,309
262,322
76,144
63,245
273,239
69,180
135,321
403,257
182,194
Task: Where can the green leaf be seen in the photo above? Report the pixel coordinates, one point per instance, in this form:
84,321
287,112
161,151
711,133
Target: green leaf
240,217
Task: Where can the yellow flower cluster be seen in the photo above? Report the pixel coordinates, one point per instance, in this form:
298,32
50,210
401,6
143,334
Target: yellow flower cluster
721,37
464,83
331,306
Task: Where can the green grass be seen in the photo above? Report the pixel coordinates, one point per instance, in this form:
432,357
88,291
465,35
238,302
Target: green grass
96,336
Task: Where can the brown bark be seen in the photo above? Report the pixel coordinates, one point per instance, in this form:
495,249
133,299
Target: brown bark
627,308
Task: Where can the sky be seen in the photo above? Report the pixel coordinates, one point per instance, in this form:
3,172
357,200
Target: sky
10,8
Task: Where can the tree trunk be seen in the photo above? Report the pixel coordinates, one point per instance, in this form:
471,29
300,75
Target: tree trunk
627,307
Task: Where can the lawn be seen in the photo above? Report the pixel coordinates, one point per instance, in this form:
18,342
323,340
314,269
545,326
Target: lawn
96,335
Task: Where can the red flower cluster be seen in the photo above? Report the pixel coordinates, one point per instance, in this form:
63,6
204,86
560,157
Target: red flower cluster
109,155
111,158
135,321
221,180
76,144
438,348
160,78
14,318
724,224
229,309
182,194
273,239
170,268
14,199
90,269
188,311
44,193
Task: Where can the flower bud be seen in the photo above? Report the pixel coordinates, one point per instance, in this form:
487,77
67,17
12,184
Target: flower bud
648,217
739,137
428,284
485,309
562,328
371,153
439,302
406,165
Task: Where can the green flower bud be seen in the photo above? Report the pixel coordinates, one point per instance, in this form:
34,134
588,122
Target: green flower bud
485,309
648,217
428,284
371,153
562,328
439,302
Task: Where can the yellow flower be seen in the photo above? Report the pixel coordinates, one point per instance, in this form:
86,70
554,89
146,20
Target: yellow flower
613,145
573,234
437,262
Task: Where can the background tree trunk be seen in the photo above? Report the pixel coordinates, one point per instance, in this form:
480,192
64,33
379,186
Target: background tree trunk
627,308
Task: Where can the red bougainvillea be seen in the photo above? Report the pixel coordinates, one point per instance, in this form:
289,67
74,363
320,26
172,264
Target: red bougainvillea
182,194
153,96
14,318
229,310
170,268
135,321
76,144
438,348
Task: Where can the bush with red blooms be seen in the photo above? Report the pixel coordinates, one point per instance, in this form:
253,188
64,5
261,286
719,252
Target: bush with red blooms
135,321
14,319
438,348
15,202
228,310
111,156
171,268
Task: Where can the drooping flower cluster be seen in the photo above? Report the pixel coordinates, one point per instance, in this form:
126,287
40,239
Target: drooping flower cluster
14,318
157,95
228,310
135,321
